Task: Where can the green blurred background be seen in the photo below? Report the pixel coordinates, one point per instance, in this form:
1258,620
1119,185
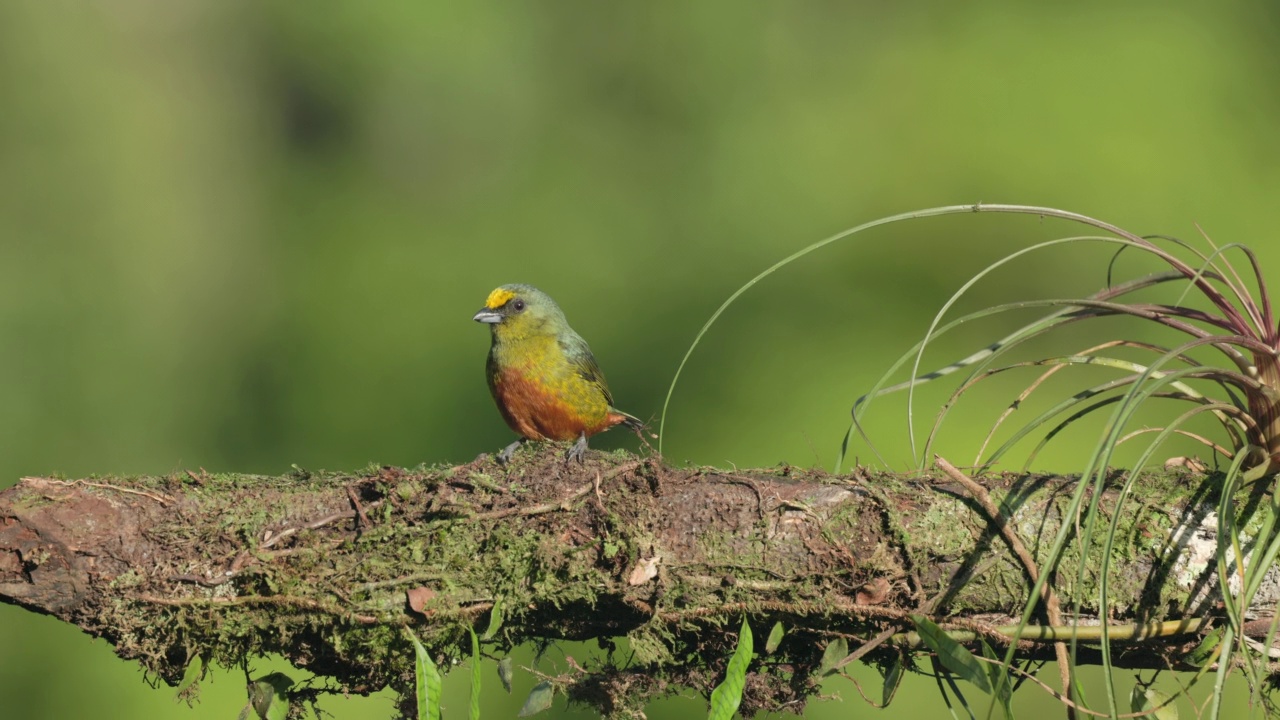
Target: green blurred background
240,235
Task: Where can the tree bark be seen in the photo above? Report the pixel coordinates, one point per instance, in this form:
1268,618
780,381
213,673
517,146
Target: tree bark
329,569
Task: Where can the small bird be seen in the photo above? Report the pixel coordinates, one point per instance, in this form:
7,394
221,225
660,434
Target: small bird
542,374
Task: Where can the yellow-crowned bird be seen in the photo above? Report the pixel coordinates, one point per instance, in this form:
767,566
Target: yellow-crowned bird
542,374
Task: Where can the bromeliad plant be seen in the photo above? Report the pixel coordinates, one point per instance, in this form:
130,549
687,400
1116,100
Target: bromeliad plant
1241,326
1242,394
1217,310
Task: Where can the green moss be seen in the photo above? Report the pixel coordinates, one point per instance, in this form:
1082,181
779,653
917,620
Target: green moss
652,644
945,528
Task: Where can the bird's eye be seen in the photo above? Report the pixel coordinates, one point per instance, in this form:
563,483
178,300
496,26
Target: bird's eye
518,305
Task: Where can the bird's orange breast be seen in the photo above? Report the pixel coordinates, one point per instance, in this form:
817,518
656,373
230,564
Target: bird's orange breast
539,411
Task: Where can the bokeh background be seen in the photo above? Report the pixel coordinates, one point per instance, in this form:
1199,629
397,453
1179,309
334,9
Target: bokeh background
241,235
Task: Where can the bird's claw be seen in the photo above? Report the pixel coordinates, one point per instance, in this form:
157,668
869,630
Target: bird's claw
509,452
578,451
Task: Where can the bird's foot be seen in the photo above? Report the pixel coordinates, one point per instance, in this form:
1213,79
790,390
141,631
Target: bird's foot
578,451
509,451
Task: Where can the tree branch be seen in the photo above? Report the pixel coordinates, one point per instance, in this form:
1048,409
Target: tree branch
319,567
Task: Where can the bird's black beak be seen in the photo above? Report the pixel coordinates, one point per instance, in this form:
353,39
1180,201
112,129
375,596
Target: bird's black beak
487,316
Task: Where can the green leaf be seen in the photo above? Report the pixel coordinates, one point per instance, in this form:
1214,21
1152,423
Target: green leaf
836,651
1146,698
1001,683
505,673
952,654
260,696
475,675
190,680
539,699
495,619
1137,699
427,682
892,679
775,637
1169,711
728,694
269,696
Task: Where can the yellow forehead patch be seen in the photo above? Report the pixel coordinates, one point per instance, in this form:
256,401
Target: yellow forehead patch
498,298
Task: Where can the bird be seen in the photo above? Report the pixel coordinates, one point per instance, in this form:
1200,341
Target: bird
542,374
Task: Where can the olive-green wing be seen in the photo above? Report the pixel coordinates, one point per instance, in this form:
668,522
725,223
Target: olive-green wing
584,363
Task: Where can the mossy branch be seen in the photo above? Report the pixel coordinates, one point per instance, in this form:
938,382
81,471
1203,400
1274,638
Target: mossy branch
326,568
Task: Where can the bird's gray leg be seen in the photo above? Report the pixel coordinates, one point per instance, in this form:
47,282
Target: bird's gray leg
504,457
578,450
